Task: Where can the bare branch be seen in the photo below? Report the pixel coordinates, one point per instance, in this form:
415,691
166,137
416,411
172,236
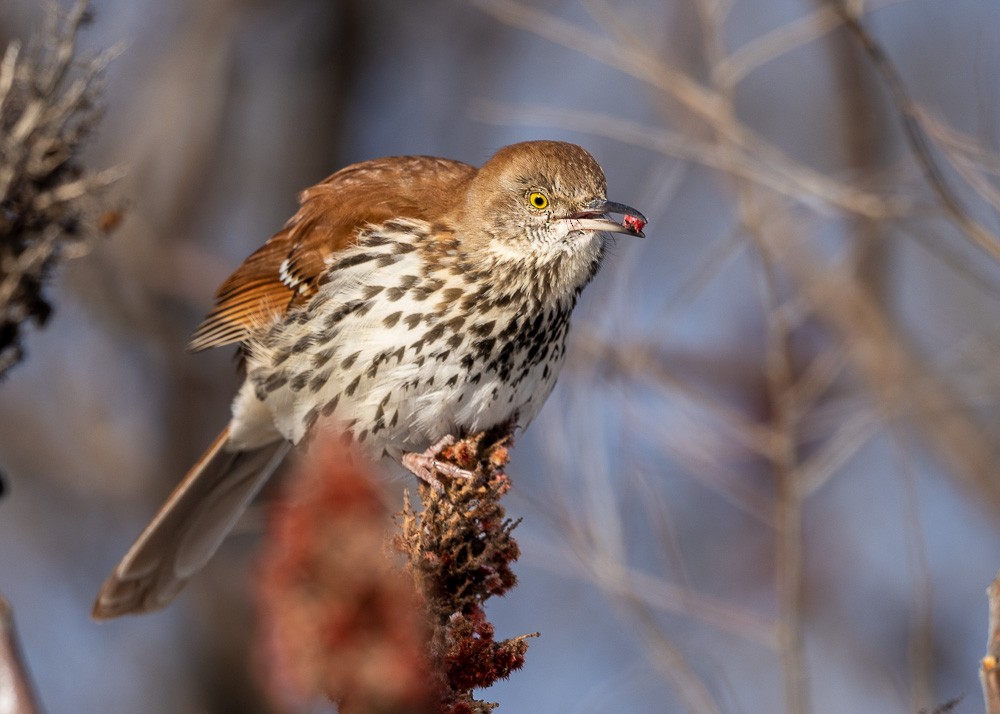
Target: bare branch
16,693
917,138
48,106
989,672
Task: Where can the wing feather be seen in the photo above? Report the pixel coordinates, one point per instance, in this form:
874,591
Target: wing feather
287,270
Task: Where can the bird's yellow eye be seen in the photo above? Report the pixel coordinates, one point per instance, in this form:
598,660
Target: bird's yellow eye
538,200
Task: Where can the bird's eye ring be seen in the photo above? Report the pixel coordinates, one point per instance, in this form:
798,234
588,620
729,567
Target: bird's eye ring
538,200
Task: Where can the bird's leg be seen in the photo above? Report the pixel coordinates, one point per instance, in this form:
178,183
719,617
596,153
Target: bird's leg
425,465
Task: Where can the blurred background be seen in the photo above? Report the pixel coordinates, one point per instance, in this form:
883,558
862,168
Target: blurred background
767,480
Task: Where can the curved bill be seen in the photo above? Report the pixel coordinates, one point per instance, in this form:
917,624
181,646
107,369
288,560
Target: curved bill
595,219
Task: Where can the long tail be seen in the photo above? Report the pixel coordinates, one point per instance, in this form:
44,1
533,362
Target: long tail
188,529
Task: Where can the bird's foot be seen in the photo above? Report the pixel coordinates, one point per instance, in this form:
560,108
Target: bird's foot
425,466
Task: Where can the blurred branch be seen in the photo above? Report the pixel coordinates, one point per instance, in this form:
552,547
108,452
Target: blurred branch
797,181
790,494
735,148
989,672
16,695
757,52
625,582
49,201
917,138
969,158
647,362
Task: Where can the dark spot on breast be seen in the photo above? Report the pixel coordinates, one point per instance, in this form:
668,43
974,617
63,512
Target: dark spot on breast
349,361
483,329
310,419
330,406
435,333
275,381
303,343
352,260
376,363
280,358
321,358
299,381
372,290
319,381
413,320
365,308
353,386
380,411
485,346
392,319
510,330
341,312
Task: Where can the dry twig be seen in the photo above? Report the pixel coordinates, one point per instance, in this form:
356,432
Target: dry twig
16,694
989,672
342,621
460,551
916,136
49,211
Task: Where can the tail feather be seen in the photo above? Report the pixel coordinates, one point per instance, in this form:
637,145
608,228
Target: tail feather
188,528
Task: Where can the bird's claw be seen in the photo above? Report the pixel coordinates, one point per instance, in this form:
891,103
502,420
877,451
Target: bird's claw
426,465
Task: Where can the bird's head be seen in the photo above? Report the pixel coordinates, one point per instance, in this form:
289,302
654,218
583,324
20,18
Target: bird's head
546,193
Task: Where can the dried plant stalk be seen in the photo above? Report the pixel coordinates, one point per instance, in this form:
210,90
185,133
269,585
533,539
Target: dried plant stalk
342,621
339,619
16,695
49,105
460,550
989,672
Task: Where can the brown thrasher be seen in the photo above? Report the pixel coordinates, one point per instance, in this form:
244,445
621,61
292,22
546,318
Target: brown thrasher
410,298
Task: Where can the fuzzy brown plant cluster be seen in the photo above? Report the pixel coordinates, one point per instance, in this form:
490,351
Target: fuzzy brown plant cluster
339,618
460,550
49,207
343,618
